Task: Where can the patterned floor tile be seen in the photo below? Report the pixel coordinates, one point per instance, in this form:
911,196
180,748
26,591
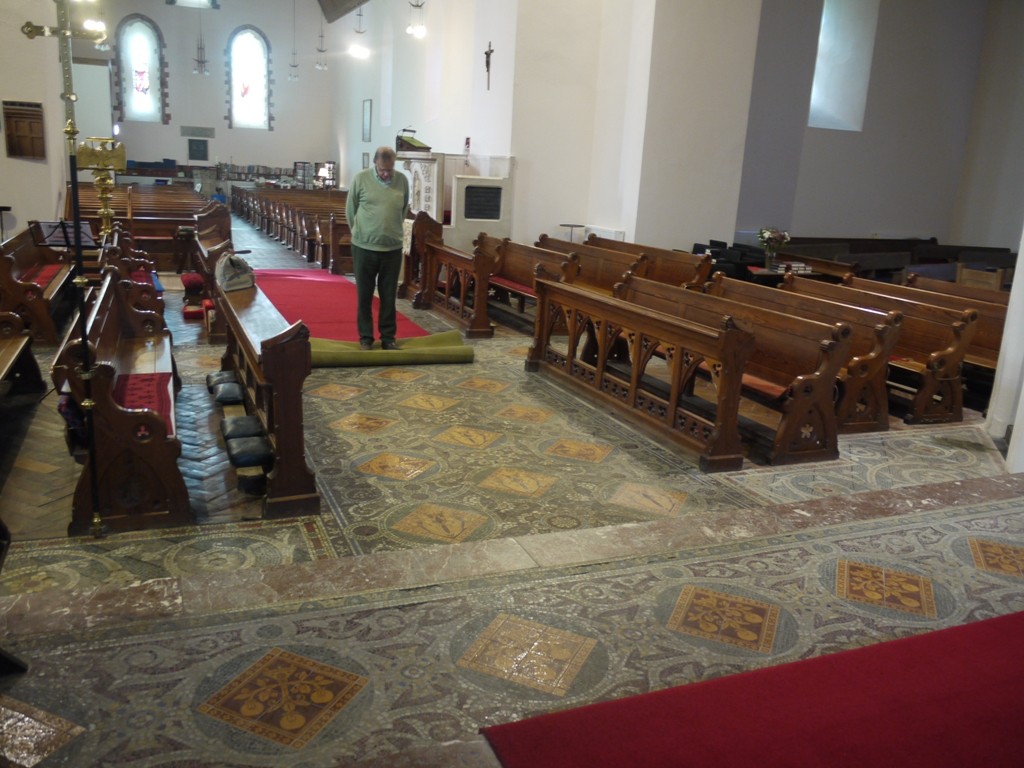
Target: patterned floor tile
433,521
285,698
712,615
519,482
396,466
29,735
998,557
885,588
529,653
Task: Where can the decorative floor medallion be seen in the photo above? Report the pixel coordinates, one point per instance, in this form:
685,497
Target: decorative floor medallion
484,385
725,618
996,557
396,466
885,588
529,653
658,501
519,482
468,437
400,375
433,521
284,697
425,402
362,423
337,392
524,413
580,451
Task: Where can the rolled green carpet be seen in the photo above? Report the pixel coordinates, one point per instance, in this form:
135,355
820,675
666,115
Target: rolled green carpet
446,347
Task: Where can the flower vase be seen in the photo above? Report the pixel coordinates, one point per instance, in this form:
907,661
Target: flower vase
769,259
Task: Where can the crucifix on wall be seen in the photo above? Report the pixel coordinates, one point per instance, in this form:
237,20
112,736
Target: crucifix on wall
487,63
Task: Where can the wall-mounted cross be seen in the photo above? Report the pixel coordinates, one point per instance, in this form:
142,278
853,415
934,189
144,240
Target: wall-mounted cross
487,63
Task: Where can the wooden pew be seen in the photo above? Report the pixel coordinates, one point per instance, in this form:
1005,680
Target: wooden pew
664,265
333,247
949,288
19,371
982,352
132,388
596,268
211,242
35,282
667,406
459,284
925,375
862,405
424,229
271,359
792,368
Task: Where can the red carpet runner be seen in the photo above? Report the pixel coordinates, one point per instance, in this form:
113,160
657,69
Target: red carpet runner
946,698
326,303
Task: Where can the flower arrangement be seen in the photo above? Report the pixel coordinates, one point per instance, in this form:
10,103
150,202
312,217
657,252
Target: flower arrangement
771,240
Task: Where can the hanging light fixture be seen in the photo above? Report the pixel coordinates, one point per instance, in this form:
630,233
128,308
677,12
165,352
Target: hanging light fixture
200,59
321,64
293,75
357,50
416,26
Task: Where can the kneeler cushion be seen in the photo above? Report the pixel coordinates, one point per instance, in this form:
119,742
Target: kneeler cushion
241,426
220,377
192,282
228,393
250,452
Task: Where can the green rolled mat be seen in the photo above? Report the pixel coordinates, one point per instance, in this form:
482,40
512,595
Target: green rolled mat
446,347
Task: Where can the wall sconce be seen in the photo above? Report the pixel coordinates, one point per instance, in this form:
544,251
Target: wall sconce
416,26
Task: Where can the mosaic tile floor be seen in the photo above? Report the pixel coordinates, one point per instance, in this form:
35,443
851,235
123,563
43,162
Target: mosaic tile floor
492,547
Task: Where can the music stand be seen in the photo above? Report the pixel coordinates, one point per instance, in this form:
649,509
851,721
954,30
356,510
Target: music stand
61,233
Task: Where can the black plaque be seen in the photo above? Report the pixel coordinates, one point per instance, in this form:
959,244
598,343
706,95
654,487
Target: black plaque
483,203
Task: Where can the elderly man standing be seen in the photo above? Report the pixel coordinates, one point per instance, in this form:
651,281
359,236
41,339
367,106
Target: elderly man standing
377,203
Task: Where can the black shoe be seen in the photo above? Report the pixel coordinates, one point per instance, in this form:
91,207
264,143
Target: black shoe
365,345
390,345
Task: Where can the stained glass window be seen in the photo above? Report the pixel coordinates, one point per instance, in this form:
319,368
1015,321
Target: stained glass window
249,65
141,78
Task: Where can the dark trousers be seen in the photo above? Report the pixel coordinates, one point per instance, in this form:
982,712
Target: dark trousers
376,270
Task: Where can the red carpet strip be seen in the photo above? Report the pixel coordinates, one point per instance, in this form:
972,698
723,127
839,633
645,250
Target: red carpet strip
326,303
951,697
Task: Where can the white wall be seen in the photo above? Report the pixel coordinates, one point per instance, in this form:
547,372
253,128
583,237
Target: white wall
779,103
900,175
31,73
436,85
990,206
301,110
700,85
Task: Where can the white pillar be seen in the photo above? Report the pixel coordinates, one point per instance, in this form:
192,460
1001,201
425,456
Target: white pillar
1006,407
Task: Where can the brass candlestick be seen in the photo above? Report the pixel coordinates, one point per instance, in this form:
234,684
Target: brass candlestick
101,155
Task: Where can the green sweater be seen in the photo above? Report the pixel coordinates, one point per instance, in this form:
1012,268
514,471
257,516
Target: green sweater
376,210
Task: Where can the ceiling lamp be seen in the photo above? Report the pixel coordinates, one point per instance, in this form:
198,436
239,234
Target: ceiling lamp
293,75
416,26
357,50
321,64
200,59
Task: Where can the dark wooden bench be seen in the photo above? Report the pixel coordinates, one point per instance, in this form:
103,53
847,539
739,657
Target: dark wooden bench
593,267
211,241
982,354
952,288
332,243
459,284
925,371
792,369
862,404
271,359
568,314
132,387
19,371
663,264
35,282
424,228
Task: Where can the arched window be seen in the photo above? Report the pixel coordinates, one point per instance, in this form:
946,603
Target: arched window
140,71
248,65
